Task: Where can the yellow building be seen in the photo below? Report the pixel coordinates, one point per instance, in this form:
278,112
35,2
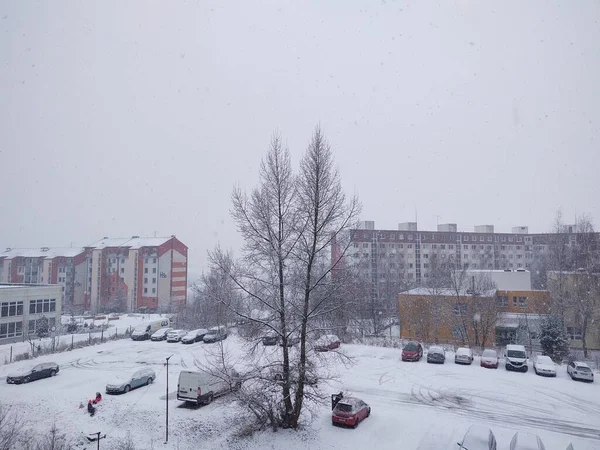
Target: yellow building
458,317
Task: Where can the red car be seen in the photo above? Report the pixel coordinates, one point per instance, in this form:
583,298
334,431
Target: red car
489,359
413,351
326,343
350,411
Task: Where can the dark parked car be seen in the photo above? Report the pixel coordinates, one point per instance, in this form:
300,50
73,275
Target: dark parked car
436,355
413,351
215,334
270,339
43,370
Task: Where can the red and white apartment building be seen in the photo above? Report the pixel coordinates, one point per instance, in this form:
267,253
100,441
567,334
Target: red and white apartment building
120,274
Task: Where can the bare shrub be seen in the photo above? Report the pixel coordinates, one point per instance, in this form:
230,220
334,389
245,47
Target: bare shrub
12,426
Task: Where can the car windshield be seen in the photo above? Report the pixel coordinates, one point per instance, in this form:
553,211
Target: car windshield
489,353
463,351
435,350
516,354
544,360
343,407
583,369
411,347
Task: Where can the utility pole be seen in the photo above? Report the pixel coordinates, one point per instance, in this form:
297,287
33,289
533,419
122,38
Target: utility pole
167,403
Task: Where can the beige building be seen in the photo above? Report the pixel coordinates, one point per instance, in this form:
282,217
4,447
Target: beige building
24,307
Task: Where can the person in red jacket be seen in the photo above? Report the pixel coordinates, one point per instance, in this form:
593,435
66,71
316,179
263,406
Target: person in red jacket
98,398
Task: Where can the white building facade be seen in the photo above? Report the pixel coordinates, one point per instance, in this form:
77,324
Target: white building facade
24,307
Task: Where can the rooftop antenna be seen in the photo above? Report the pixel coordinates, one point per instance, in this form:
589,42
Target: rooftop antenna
155,234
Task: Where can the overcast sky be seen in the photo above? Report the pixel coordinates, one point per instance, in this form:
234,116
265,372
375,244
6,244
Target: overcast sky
129,118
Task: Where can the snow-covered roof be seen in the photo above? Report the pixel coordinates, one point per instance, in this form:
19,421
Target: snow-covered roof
134,242
447,292
43,252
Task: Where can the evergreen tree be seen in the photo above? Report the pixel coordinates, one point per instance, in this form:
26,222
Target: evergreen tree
42,327
553,339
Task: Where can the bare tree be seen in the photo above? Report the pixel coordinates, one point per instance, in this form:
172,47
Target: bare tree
573,265
288,224
12,427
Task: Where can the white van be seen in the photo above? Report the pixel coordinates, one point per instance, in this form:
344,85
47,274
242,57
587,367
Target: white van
145,330
202,387
516,358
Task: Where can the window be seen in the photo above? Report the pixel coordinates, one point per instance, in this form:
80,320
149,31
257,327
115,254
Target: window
410,237
11,329
145,290
145,280
365,245
523,302
451,247
573,332
154,290
459,309
145,260
426,256
489,239
514,301
481,238
410,265
145,270
122,270
355,245
465,238
502,301
409,246
42,306
473,247
466,256
443,247
154,270
465,247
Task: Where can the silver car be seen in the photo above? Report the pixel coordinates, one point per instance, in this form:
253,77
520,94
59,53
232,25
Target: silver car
580,371
125,383
463,356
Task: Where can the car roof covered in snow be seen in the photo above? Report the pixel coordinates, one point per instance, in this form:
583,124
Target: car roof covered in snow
350,401
526,441
582,364
477,437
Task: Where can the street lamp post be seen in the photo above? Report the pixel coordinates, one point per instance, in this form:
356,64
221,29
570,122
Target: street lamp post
167,403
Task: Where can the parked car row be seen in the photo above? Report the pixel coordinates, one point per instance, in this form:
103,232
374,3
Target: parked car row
323,344
515,360
213,334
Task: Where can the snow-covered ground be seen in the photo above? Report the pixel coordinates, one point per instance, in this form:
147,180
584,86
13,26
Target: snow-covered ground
112,327
415,405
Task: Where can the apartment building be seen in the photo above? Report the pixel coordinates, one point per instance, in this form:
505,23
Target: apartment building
24,306
121,274
40,266
408,255
134,273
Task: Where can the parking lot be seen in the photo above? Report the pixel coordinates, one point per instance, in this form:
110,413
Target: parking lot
415,404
